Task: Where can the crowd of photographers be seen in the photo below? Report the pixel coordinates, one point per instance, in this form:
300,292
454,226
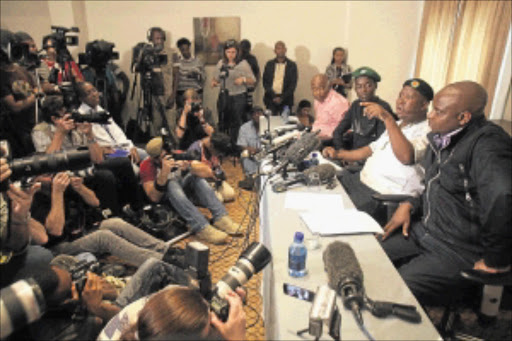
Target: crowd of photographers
75,188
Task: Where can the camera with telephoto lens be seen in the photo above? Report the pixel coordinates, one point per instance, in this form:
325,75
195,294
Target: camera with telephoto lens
44,163
145,57
97,54
101,117
251,261
79,273
194,261
25,301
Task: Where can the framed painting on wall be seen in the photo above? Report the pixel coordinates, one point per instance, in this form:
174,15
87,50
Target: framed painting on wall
209,35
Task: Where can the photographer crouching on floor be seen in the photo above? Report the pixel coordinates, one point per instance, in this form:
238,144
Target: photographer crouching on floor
211,148
164,176
195,122
113,180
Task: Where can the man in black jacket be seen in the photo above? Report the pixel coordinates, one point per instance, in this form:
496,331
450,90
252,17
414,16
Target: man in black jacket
465,209
279,80
364,129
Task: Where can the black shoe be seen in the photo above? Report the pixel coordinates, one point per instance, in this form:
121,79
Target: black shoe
247,184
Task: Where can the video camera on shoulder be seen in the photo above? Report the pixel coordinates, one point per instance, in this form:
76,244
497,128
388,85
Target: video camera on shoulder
43,163
101,117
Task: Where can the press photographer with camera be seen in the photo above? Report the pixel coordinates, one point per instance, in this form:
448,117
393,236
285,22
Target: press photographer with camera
17,256
108,134
59,132
154,63
211,148
64,210
164,178
18,96
195,122
59,74
182,313
234,76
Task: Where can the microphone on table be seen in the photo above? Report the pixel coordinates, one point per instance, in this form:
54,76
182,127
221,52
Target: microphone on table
323,173
298,151
346,278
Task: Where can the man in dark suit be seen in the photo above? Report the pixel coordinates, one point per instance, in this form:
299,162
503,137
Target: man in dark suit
279,80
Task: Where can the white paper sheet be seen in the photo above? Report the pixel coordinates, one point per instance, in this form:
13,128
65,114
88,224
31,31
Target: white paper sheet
350,221
308,201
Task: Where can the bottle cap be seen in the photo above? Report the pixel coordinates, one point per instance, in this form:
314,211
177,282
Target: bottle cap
299,237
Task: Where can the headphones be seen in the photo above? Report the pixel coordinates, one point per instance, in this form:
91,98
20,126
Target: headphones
149,34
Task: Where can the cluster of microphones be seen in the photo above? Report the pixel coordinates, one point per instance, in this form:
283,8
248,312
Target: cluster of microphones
345,278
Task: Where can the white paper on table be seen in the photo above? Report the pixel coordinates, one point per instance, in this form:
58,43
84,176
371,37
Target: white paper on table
308,201
350,221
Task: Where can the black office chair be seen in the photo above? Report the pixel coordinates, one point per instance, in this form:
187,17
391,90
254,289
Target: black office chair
492,286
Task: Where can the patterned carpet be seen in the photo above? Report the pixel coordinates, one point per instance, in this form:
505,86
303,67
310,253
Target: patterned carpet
243,210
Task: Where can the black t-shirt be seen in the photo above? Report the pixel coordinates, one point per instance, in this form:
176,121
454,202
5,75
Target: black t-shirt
194,129
18,82
75,211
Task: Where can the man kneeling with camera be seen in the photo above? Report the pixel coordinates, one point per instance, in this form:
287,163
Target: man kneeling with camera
162,175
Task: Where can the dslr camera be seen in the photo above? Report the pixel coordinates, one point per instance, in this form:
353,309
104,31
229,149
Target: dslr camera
79,273
195,107
251,261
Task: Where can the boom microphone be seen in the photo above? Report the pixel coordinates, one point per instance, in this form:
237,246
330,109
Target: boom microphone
345,276
325,172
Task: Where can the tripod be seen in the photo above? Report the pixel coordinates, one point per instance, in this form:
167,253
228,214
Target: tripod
145,112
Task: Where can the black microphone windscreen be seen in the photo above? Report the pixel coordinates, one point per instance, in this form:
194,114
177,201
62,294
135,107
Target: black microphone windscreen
298,151
341,265
325,171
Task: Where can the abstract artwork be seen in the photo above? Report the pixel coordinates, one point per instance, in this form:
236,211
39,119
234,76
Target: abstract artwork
209,35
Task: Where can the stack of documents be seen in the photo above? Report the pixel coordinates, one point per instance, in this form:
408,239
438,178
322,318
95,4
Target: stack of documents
324,214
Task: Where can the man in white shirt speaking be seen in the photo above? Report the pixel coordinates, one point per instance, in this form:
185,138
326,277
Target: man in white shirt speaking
392,161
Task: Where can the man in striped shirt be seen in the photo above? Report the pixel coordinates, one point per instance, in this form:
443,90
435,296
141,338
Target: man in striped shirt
189,72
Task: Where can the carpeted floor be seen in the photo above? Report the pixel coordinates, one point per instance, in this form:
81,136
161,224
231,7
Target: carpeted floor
243,210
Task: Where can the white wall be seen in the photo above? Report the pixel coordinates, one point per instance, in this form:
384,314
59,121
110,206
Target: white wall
380,34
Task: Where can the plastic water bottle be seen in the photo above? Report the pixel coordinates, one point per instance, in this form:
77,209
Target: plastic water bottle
314,159
285,114
297,254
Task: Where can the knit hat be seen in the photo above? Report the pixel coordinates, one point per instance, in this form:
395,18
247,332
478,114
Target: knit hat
421,86
154,146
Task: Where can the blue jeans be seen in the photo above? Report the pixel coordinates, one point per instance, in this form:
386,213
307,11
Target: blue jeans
177,191
150,277
119,239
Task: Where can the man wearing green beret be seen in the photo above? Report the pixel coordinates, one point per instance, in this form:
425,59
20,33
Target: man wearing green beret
364,129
